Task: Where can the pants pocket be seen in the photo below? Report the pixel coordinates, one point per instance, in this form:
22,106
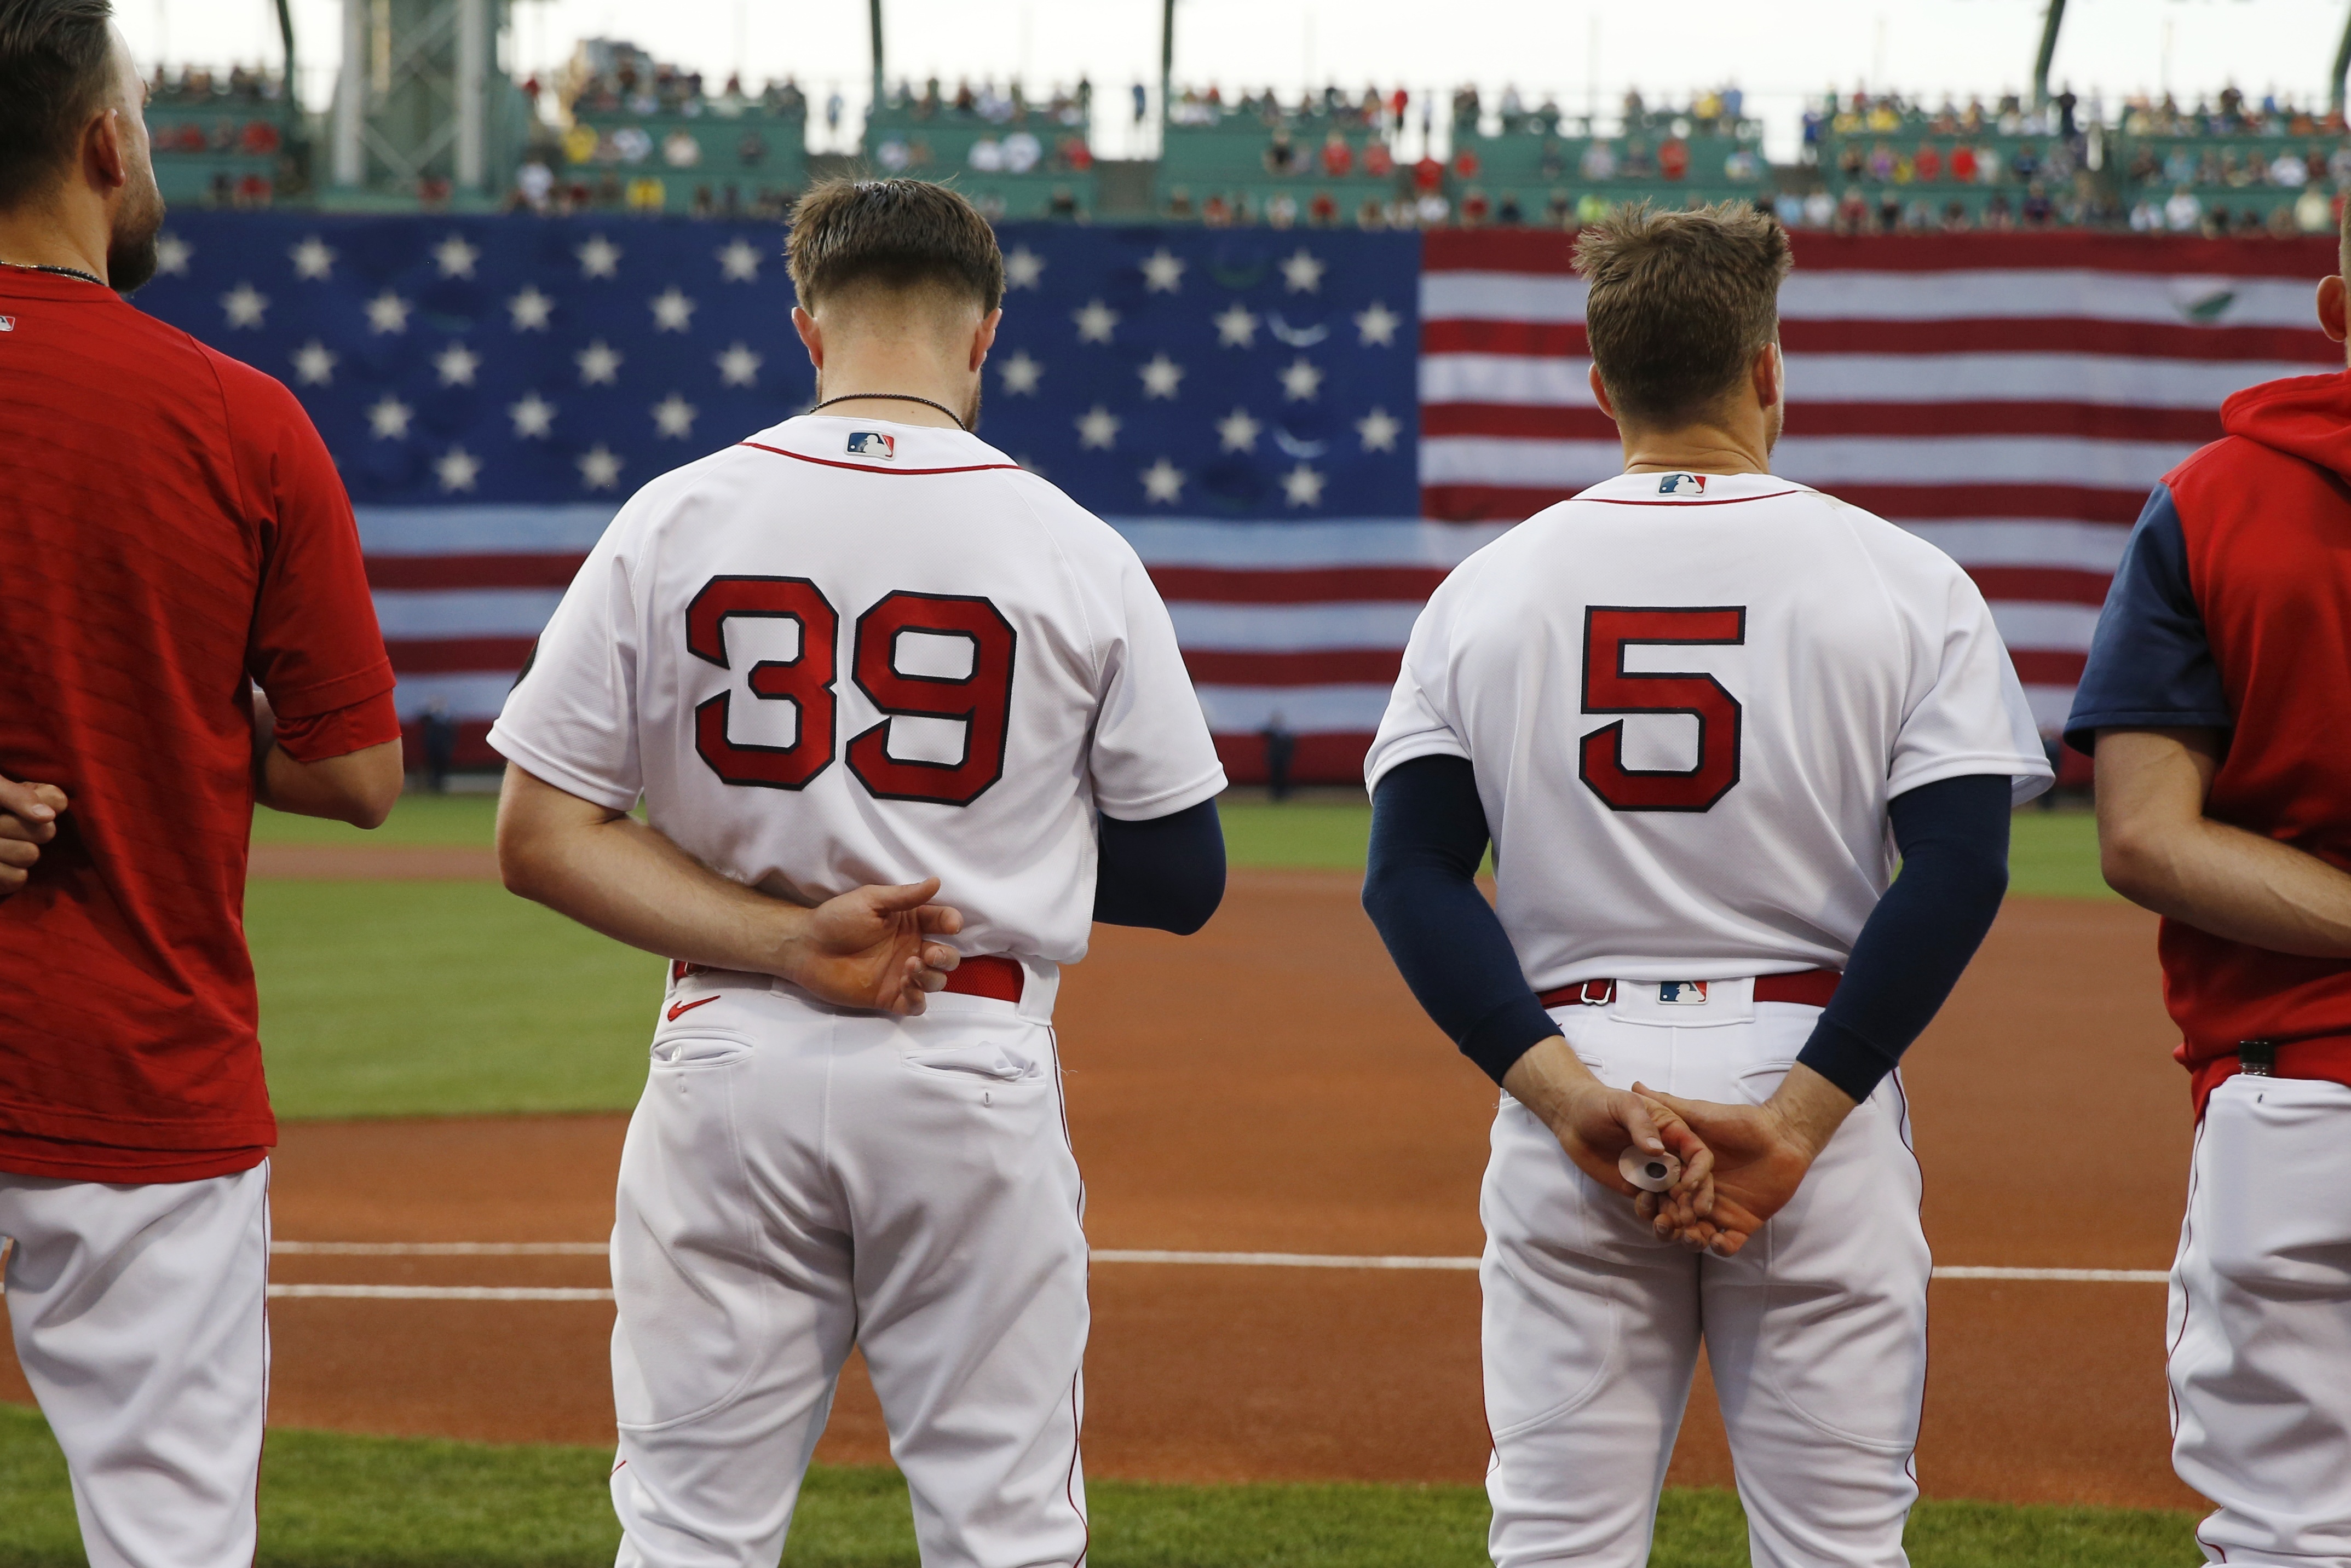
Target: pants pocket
1014,1058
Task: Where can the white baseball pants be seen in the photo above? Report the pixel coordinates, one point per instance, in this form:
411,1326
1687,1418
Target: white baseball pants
140,1316
1816,1330
798,1180
2261,1324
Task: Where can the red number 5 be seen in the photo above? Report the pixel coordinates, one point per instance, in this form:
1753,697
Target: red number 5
1609,687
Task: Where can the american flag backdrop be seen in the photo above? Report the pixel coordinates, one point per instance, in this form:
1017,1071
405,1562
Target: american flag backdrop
1300,431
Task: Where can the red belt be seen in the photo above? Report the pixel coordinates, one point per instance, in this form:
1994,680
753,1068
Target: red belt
1806,987
2321,1056
989,975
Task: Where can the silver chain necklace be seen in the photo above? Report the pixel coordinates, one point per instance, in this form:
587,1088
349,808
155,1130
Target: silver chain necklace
60,271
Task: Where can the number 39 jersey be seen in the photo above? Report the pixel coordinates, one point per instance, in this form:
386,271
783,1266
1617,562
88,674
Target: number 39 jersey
1687,699
851,651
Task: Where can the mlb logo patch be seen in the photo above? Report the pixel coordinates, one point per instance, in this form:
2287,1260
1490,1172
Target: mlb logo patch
1681,485
1682,993
7,323
873,443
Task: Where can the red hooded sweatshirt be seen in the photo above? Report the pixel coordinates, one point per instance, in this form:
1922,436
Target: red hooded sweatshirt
2231,610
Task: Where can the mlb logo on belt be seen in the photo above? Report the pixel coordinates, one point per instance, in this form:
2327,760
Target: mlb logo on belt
1681,485
873,443
1682,993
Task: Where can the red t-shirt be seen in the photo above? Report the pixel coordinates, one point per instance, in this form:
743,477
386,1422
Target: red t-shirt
170,525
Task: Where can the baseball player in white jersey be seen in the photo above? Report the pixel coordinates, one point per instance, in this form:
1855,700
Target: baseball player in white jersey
860,647
1687,706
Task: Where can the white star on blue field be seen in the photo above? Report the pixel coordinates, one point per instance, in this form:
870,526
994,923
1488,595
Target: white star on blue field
1247,374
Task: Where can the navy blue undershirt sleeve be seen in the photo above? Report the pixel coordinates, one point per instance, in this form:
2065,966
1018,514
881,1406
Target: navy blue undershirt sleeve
1168,873
1953,835
1428,831
2150,664
1420,888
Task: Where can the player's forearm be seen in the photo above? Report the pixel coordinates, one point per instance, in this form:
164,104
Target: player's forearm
616,876
360,787
2158,849
2219,878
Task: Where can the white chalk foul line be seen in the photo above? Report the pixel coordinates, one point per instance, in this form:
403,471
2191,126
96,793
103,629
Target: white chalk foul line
1104,1255
437,1294
440,1248
1283,1260
2063,1276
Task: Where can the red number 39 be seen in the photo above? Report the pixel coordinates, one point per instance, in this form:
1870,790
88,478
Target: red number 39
981,700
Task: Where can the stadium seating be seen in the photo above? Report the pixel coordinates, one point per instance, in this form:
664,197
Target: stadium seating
1327,162
218,137
1559,172
2248,178
647,136
1013,158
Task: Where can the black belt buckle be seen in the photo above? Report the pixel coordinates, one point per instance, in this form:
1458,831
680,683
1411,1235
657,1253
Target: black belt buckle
2257,1058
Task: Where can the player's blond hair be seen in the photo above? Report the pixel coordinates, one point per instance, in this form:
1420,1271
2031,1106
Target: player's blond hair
1680,304
894,233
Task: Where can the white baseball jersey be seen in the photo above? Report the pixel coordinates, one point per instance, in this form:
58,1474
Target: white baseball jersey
851,651
1688,699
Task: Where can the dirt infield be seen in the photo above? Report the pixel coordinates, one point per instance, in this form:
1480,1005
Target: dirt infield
1269,1086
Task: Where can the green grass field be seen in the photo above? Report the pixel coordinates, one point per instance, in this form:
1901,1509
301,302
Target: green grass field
2052,855
334,1502
402,998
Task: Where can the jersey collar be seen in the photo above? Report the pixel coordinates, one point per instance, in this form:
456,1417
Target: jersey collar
883,445
1688,488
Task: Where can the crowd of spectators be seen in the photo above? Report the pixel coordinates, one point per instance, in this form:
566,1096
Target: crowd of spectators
1333,106
194,87
606,77
2231,113
986,104
232,119
540,188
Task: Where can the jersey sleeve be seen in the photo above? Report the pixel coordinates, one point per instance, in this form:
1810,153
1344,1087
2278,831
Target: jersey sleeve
314,646
1418,721
2151,663
1973,716
571,718
1150,755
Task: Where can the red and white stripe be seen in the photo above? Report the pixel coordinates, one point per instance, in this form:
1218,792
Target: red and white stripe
2010,398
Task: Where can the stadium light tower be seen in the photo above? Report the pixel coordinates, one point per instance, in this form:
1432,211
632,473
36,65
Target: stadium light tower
419,97
2048,27
874,11
1167,58
2342,66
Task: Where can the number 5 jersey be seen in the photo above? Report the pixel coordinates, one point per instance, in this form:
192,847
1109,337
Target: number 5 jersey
851,651
1687,699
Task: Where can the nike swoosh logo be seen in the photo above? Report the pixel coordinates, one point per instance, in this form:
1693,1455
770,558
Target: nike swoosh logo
679,1009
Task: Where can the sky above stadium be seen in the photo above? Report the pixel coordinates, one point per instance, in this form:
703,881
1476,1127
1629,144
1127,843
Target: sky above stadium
1777,50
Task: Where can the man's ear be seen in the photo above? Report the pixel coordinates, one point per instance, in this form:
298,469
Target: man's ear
1770,374
2332,306
101,152
1600,394
985,339
811,334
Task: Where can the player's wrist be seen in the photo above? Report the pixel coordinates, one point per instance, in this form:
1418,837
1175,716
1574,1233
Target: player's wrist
1809,1109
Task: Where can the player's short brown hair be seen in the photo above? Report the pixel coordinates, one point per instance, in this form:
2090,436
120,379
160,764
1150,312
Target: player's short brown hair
1679,303
55,60
896,234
